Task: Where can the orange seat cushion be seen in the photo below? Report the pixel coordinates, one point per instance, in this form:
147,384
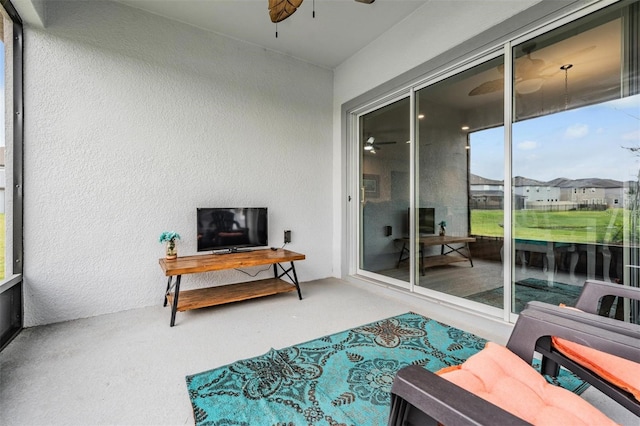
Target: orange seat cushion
620,372
499,376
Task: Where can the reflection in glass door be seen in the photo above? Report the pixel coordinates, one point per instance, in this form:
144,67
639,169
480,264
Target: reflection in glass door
574,173
459,175
575,163
384,154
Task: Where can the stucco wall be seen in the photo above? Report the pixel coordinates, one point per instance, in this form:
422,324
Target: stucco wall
131,122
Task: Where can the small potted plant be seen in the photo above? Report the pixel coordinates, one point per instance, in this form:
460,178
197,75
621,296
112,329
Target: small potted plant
443,226
170,238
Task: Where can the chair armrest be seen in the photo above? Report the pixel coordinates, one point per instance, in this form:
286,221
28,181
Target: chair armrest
419,396
534,324
593,291
595,320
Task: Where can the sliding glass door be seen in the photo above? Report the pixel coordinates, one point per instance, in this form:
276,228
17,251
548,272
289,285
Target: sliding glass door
384,154
434,166
575,160
459,209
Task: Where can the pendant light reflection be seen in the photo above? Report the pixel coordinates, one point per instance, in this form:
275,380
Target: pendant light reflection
566,68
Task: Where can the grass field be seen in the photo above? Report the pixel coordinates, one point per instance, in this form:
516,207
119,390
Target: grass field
566,226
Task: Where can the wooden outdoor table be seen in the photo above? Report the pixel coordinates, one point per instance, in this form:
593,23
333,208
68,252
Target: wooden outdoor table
451,255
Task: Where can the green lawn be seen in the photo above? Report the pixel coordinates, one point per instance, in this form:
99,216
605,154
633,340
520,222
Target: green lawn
567,226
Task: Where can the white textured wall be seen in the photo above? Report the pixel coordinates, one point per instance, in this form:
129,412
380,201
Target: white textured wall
431,30
131,122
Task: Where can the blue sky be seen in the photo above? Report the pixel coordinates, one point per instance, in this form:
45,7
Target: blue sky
581,143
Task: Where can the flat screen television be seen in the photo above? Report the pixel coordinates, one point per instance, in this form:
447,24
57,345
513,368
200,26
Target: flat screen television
426,220
230,229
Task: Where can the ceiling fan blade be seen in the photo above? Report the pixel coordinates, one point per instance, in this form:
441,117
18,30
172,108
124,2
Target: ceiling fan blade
279,10
527,67
385,143
488,87
365,1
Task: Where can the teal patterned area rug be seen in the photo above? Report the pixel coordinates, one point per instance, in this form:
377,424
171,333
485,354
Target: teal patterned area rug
341,379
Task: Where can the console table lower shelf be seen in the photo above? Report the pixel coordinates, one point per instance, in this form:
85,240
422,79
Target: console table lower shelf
229,293
212,296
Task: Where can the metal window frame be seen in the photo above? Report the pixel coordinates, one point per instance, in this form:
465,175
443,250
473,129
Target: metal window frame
13,286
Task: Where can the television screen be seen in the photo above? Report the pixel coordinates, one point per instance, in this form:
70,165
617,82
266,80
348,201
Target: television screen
232,228
426,220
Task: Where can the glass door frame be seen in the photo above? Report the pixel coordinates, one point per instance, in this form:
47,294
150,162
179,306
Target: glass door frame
354,212
355,172
460,67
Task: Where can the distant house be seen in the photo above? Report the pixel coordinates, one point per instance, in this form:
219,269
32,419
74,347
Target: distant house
486,194
536,193
591,192
557,194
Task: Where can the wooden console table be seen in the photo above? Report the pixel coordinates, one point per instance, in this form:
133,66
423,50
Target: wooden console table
452,255
212,296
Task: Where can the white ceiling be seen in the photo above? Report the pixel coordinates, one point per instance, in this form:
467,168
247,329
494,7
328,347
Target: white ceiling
340,27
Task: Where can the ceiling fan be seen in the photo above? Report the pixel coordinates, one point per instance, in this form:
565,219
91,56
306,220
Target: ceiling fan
530,73
279,10
372,146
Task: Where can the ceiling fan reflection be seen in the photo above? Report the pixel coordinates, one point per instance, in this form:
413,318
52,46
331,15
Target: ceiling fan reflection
371,145
530,73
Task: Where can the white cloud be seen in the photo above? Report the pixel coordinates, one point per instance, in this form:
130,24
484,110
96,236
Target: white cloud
527,145
631,136
576,131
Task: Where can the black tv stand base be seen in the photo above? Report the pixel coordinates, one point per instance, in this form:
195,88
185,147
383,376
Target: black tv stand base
232,250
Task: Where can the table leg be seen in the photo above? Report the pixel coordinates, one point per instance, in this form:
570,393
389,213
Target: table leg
606,264
573,261
458,250
295,280
400,259
591,261
167,291
174,308
551,263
